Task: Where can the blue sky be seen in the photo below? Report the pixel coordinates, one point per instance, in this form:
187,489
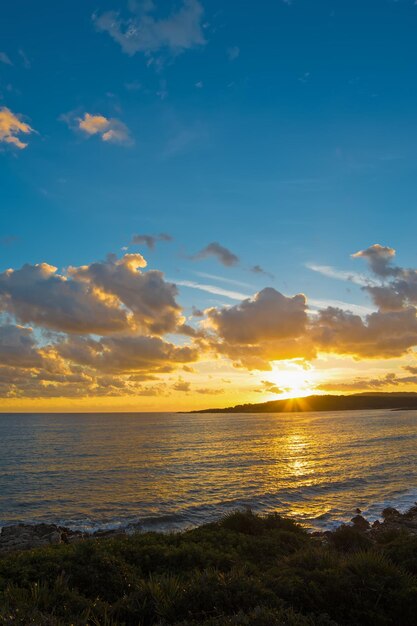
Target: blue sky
285,131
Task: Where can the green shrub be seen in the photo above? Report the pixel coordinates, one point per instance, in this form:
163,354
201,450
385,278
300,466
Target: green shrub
245,522
349,539
245,569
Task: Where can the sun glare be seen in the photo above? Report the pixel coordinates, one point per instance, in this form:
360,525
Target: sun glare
294,381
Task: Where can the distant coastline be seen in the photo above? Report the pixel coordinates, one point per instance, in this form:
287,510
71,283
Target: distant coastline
354,402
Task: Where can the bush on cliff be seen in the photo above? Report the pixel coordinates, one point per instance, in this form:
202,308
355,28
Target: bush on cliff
244,570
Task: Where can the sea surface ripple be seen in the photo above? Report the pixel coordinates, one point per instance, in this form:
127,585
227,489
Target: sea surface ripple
167,471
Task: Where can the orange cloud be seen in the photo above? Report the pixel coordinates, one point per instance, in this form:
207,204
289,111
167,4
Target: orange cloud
11,126
110,130
105,329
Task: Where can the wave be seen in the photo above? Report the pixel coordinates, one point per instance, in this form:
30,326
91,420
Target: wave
192,516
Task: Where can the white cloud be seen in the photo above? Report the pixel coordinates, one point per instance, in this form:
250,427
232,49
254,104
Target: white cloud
230,281
332,272
359,309
218,291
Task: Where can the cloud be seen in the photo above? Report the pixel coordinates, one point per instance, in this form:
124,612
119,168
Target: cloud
37,294
218,291
252,332
223,279
150,240
380,334
269,315
180,31
269,326
331,272
397,289
121,354
208,391
101,298
257,269
105,328
111,130
359,309
18,346
11,126
182,385
149,298
233,53
82,366
268,387
391,287
5,59
219,252
379,258
391,379
73,382
100,327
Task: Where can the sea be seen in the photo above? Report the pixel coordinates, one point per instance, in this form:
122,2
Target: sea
171,471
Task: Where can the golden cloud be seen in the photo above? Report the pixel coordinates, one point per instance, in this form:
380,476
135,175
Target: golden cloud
105,328
101,298
110,130
11,126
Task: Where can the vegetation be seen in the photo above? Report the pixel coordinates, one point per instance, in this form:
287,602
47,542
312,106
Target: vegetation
245,570
353,402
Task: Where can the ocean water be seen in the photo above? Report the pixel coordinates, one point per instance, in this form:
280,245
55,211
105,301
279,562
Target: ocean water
172,471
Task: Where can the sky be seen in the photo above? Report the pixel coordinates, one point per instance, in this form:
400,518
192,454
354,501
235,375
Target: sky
206,203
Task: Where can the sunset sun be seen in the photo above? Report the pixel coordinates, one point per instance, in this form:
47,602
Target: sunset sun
293,381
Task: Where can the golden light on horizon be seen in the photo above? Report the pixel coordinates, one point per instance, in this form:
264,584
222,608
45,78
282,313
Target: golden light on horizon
294,380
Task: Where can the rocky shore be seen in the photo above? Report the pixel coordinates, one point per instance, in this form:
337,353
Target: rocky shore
30,536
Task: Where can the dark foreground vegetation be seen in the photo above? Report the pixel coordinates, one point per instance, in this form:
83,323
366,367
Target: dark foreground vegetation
243,570
353,402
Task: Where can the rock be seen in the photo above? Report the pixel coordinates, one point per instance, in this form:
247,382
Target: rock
389,513
411,514
360,523
27,536
109,533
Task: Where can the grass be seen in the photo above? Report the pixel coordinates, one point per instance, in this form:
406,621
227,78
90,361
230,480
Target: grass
243,570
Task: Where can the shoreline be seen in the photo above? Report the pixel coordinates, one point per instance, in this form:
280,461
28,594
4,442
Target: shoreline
28,536
180,520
